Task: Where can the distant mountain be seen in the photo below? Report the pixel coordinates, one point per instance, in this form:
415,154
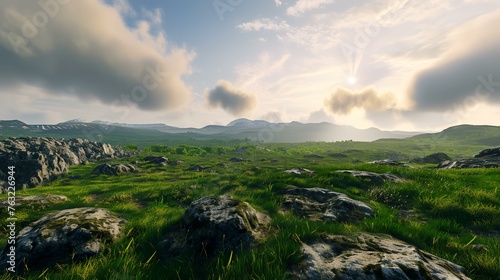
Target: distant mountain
12,123
73,121
474,134
246,123
242,129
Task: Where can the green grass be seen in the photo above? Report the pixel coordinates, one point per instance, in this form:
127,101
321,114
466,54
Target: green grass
444,212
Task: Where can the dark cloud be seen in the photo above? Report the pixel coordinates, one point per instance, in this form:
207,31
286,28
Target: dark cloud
85,49
342,101
467,74
231,99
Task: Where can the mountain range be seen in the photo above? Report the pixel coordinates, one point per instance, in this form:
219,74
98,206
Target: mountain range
237,130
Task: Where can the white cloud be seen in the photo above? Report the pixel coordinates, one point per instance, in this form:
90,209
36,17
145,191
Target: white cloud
342,101
302,6
263,24
277,2
465,75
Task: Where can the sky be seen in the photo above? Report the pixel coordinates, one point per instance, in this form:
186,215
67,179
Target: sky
391,64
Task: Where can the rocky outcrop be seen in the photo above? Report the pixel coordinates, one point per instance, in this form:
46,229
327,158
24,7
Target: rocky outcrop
35,200
489,158
373,257
63,237
326,205
158,160
114,169
41,159
299,171
373,177
431,159
214,223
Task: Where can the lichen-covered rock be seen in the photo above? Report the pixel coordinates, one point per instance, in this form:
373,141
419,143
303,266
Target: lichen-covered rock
215,223
376,178
370,257
326,205
114,169
32,200
489,158
65,236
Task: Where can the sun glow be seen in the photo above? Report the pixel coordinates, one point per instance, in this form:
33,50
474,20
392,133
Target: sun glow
351,80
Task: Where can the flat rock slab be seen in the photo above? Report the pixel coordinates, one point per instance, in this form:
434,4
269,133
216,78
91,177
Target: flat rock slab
215,223
43,199
63,237
390,162
326,205
299,171
377,178
373,257
114,169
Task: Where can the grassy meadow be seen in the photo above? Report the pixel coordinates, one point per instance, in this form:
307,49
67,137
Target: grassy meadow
454,214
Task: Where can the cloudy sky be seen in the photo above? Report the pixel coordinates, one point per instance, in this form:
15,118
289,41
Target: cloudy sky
391,64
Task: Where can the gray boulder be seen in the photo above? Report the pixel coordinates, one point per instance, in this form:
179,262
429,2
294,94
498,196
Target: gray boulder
376,178
114,169
431,159
326,205
489,158
62,237
370,257
215,223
